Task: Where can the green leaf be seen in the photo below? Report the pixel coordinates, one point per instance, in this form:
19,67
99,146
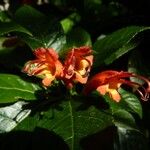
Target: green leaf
117,44
73,121
69,22
54,40
30,18
123,118
11,115
70,121
128,139
4,16
92,5
33,20
46,32
139,62
3,49
121,112
11,26
13,88
130,102
78,37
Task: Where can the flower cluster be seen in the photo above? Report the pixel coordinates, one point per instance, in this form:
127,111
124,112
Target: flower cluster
76,68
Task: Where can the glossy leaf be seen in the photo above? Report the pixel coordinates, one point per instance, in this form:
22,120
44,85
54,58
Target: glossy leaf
121,112
123,118
65,119
139,62
46,32
130,102
69,22
3,49
11,115
78,37
117,44
69,121
30,18
129,139
11,26
13,88
73,121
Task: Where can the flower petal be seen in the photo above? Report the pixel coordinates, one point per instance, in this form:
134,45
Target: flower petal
79,78
103,89
47,81
46,65
77,65
114,94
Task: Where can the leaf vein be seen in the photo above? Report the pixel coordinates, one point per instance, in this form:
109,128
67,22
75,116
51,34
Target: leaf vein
22,90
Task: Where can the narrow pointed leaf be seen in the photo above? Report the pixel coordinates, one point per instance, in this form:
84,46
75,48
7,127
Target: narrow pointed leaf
117,44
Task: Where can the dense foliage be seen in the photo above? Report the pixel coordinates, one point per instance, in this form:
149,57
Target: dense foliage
43,106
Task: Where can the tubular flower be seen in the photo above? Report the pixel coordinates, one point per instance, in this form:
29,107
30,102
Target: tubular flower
46,65
110,81
77,65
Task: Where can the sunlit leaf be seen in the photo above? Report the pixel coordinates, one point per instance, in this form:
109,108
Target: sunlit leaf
13,88
11,115
130,102
69,22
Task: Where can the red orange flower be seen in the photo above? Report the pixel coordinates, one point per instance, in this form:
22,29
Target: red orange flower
77,65
46,65
110,81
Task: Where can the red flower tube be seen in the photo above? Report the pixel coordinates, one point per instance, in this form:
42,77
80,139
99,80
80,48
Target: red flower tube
46,65
110,81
